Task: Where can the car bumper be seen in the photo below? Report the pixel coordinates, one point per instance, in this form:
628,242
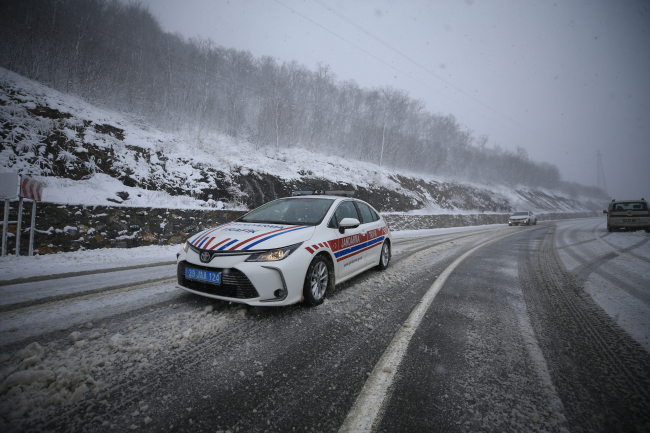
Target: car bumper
253,283
629,222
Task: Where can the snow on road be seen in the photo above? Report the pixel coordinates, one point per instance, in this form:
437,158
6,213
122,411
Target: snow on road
12,267
88,353
614,269
98,341
61,287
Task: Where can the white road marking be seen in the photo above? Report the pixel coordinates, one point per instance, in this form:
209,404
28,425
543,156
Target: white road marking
369,404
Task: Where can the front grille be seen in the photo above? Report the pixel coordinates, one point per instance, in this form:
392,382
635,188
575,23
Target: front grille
234,283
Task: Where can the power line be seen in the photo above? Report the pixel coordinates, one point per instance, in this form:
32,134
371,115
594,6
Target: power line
71,16
394,67
424,68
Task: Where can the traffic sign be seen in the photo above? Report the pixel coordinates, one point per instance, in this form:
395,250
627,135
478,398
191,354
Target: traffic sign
31,189
8,183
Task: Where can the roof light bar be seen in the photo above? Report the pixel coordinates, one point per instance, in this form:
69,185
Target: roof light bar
303,192
346,193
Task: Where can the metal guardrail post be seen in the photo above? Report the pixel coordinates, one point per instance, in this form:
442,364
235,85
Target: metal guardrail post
4,229
31,231
19,227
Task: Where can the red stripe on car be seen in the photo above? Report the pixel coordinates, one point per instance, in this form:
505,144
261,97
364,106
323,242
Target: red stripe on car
220,243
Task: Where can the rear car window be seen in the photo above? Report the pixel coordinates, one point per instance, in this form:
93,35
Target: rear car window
366,213
635,206
345,210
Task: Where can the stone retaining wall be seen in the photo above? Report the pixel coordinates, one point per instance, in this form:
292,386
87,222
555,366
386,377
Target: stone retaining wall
73,227
61,228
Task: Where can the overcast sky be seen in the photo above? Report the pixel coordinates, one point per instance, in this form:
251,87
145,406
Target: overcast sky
561,79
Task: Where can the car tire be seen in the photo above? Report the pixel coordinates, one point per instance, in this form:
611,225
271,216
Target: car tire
384,256
609,229
317,281
535,223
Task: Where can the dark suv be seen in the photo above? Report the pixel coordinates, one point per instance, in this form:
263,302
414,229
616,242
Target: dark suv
628,214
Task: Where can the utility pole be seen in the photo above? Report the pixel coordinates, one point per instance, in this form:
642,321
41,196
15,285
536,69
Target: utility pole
600,173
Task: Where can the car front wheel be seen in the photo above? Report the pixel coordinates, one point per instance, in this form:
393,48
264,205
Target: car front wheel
384,258
317,281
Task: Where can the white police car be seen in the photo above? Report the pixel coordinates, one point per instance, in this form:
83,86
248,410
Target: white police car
286,251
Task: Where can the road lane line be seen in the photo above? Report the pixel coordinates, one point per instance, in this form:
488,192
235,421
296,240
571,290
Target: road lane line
38,278
366,410
88,294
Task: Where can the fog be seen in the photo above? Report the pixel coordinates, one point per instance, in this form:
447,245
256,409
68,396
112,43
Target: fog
560,80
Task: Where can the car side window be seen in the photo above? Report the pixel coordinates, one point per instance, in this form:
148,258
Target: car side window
345,210
366,214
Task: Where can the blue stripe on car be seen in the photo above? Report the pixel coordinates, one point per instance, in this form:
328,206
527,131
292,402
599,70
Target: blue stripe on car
228,244
272,236
358,247
198,235
204,241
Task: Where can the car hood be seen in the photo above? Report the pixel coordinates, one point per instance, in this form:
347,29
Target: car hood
243,236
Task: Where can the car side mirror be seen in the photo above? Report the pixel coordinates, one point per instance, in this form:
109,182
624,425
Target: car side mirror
348,223
604,211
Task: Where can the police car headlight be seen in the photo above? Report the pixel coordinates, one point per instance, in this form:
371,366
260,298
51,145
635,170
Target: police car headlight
186,246
274,255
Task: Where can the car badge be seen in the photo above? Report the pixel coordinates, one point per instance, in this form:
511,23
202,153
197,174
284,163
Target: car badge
205,257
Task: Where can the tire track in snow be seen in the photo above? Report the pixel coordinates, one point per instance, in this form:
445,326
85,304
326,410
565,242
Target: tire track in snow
600,372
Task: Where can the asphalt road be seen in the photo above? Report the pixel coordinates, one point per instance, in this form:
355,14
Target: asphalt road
497,329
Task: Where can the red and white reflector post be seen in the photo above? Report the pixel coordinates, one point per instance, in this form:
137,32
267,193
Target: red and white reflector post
32,190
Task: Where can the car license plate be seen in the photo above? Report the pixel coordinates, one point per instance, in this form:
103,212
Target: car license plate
196,274
630,221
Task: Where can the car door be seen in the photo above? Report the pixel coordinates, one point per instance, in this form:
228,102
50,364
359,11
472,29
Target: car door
373,232
348,254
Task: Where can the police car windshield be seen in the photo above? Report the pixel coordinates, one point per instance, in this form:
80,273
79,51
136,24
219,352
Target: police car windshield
301,211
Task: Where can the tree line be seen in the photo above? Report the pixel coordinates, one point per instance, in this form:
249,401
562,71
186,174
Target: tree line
116,54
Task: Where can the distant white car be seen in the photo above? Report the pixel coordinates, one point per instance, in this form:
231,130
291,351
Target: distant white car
289,250
522,217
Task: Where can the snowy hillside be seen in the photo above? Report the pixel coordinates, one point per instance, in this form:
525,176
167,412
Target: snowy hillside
92,156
